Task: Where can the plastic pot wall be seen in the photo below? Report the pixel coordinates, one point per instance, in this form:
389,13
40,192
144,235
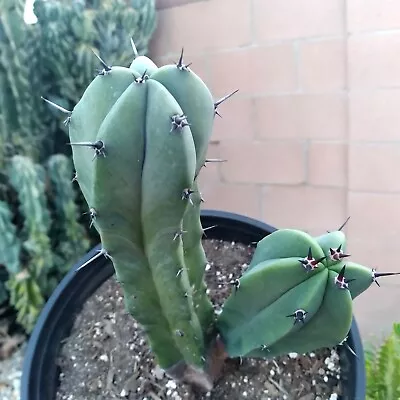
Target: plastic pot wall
40,372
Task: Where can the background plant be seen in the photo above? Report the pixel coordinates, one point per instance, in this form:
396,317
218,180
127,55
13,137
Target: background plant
42,228
383,368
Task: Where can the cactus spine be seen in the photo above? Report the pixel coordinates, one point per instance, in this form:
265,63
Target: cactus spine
139,139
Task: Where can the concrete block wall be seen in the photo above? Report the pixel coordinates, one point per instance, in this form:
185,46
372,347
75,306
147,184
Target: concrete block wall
313,135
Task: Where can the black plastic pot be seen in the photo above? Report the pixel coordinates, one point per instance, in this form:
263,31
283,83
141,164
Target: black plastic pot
40,372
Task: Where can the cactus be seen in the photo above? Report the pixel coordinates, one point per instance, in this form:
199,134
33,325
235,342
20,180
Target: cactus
300,284
69,30
3,288
28,286
71,234
29,181
139,138
10,244
37,255
22,124
10,248
27,297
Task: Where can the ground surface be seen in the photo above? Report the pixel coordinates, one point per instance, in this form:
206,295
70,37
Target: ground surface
10,375
106,356
12,346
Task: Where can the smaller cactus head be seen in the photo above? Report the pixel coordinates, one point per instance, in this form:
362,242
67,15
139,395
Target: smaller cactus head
311,307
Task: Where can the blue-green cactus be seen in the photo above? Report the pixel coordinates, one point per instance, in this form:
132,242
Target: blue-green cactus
295,296
152,166
139,137
72,239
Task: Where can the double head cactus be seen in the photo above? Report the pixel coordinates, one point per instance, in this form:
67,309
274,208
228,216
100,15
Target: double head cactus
139,137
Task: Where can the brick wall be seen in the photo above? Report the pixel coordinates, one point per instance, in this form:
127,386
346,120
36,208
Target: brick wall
313,136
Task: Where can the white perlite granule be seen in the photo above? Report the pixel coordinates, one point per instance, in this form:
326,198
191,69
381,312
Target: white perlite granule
10,376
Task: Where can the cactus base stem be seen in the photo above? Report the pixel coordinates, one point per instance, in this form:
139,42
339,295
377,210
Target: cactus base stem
202,380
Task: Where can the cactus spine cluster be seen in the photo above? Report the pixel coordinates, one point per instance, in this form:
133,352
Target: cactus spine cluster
139,137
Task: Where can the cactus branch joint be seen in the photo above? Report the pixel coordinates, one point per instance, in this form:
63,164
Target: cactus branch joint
149,127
